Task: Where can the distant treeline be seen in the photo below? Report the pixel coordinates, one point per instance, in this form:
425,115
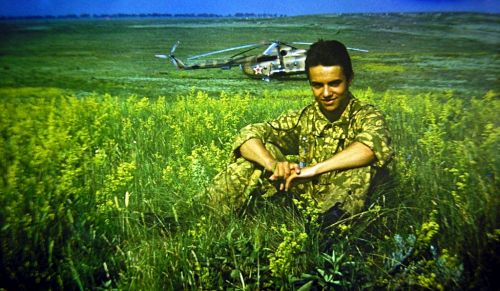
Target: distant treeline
142,15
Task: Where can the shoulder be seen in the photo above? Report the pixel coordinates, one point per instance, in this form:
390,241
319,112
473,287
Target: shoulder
359,107
306,110
365,114
292,118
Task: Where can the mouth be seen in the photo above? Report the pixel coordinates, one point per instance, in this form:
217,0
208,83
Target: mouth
329,101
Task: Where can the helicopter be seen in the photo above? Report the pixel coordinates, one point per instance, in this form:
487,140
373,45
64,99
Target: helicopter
278,59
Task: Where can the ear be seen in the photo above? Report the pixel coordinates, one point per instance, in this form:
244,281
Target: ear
351,80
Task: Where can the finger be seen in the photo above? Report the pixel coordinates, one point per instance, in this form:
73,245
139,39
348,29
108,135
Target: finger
296,168
287,170
279,171
274,176
288,182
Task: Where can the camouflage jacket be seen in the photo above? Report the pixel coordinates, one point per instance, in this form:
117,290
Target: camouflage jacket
310,137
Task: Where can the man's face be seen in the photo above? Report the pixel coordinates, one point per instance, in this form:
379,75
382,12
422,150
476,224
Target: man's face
330,89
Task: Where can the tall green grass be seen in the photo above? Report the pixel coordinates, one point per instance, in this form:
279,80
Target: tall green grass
106,192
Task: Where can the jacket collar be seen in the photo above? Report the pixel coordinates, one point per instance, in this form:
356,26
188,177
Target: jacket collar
321,122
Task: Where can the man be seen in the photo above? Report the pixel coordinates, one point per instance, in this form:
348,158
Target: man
340,142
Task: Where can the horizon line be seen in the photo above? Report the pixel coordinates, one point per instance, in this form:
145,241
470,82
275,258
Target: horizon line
216,15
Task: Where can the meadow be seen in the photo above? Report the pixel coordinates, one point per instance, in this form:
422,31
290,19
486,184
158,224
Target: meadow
106,153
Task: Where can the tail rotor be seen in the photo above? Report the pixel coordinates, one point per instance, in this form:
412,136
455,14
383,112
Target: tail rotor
178,64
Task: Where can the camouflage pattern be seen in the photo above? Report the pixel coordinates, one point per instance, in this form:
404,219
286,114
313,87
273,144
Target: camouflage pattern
306,136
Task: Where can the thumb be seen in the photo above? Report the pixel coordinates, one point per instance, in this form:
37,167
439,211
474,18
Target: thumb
297,169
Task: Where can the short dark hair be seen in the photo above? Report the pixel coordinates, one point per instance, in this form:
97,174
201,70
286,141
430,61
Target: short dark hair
329,53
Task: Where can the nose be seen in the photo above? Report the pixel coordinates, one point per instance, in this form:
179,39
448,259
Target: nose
326,91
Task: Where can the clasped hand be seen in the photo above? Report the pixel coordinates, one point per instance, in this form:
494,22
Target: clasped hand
286,172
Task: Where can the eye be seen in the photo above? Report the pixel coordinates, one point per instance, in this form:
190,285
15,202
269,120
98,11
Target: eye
316,85
335,83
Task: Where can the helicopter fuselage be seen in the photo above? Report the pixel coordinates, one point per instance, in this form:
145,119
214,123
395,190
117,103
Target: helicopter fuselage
289,62
277,60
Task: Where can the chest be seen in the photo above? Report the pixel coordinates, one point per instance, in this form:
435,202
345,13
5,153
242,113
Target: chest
320,142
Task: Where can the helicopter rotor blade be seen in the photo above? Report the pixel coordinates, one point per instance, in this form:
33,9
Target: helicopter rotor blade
172,59
349,48
242,52
174,62
300,42
224,50
357,49
272,46
174,47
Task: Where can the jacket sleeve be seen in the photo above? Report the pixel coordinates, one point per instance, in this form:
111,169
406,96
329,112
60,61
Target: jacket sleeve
283,132
373,132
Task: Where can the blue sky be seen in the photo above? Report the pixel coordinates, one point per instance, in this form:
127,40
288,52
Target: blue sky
289,7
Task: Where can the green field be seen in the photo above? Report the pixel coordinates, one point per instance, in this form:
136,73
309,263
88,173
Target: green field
105,152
